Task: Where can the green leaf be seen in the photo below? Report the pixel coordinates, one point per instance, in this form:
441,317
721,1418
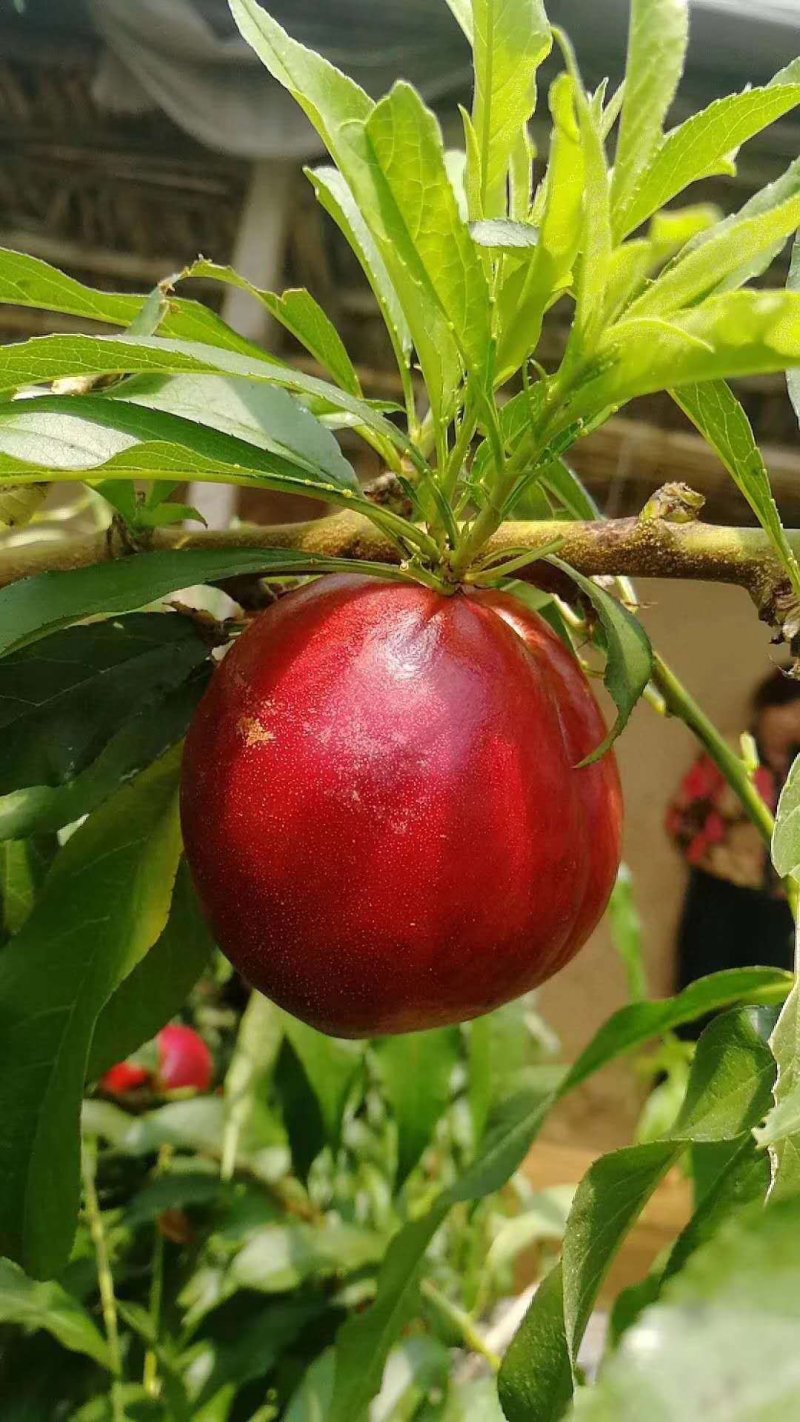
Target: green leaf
340,110
46,358
500,235
781,1129
258,1043
179,1190
627,932
23,866
104,904
720,1343
512,1133
629,656
422,225
696,149
312,1400
786,835
249,1353
502,1047
535,1379
744,1181
28,281
257,414
279,1257
640,1022
37,606
724,258
334,104
32,1305
793,285
364,1342
741,333
416,1071
563,483
158,723
335,197
76,435
596,243
728,1091
62,701
462,10
657,40
526,292
718,415
765,200
300,314
157,988
330,1067
510,40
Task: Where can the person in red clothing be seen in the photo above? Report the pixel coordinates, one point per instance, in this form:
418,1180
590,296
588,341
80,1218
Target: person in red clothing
734,914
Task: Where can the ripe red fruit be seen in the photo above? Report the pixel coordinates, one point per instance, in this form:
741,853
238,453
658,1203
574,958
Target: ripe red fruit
184,1060
382,810
122,1078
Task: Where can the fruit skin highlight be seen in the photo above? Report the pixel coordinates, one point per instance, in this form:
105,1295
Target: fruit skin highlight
382,809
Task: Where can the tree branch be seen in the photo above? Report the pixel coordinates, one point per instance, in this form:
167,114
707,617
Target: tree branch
635,547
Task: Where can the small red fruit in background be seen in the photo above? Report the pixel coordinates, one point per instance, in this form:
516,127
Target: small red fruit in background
382,808
183,1061
124,1077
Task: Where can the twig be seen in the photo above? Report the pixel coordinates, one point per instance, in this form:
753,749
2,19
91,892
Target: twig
104,1276
461,1322
632,547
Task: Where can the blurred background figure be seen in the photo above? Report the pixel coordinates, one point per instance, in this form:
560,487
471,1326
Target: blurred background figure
734,913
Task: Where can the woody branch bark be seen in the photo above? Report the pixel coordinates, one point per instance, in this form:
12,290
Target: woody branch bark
634,547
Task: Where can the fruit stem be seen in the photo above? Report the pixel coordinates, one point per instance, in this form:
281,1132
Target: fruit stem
105,1278
461,1322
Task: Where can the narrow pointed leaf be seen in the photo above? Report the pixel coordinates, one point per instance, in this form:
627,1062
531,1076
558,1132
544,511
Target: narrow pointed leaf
718,415
697,147
29,281
335,197
300,314
525,294
535,1379
741,333
31,1306
422,220
157,988
416,1072
104,904
719,1345
629,656
728,1091
46,358
36,606
730,253
657,38
511,38
330,1067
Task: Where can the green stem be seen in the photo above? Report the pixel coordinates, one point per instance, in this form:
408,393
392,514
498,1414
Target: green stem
680,703
457,1319
104,1276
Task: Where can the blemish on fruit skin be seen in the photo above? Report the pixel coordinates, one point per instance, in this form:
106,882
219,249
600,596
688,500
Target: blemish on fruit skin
253,733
